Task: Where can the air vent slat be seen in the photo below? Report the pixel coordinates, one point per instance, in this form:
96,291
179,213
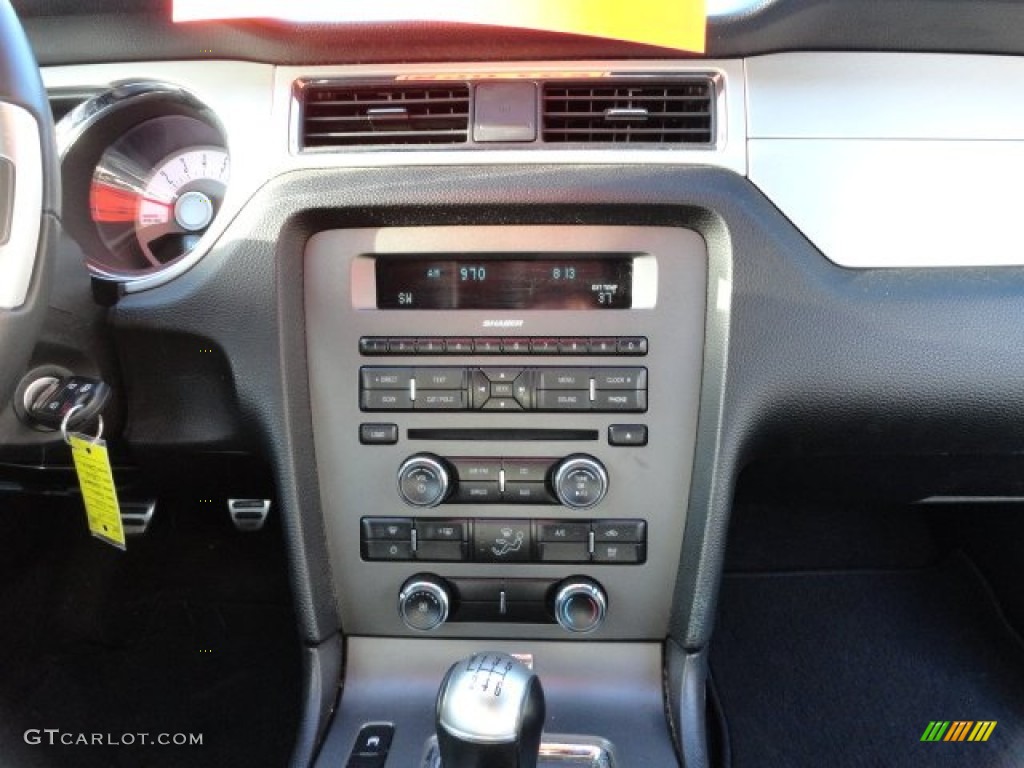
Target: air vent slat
676,111
340,114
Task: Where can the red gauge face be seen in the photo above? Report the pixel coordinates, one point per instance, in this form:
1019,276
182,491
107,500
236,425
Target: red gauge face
161,212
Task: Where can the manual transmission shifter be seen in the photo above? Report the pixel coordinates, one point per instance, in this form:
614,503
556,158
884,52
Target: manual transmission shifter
490,713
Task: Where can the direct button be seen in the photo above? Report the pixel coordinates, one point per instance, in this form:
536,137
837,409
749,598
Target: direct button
386,378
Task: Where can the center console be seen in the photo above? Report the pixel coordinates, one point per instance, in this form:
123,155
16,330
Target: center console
504,420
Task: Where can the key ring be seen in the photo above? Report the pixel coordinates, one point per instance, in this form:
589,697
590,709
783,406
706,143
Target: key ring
67,418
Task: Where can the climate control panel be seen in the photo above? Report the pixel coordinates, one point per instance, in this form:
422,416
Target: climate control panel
511,541
577,604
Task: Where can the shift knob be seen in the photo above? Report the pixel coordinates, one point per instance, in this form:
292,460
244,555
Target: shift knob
490,713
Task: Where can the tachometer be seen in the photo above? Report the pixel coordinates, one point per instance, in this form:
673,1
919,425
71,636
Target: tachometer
158,212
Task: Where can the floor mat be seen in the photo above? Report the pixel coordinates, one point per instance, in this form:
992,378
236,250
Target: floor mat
849,668
189,634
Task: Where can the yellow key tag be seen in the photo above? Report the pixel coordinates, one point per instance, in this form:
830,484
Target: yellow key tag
97,482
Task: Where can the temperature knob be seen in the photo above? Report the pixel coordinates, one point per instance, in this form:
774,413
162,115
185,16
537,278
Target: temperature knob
423,602
580,481
423,480
580,604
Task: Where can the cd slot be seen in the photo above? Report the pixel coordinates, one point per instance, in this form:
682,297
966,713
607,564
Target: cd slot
504,435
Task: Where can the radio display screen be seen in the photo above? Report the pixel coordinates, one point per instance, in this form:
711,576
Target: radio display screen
495,281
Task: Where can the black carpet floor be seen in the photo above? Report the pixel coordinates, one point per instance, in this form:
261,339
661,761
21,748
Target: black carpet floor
190,631
837,669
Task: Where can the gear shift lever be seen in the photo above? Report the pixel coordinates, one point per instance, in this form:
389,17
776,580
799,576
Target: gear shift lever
490,713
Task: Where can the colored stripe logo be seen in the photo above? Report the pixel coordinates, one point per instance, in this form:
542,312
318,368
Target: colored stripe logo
958,730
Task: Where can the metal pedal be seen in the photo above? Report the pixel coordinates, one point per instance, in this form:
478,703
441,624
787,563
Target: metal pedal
136,516
248,514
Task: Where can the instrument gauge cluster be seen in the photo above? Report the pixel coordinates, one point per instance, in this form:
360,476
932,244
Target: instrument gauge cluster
146,170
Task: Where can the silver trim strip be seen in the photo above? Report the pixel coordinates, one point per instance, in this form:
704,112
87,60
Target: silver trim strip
20,144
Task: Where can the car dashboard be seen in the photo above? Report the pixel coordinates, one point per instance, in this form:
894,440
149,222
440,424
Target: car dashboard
510,337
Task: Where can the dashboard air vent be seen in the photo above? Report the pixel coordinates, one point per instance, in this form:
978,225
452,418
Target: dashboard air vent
343,115
648,111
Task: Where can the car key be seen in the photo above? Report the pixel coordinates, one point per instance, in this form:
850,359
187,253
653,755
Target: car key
82,397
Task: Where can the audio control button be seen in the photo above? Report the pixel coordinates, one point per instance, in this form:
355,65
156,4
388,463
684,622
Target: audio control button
502,404
441,400
526,470
620,400
563,400
580,481
477,493
544,346
385,400
620,378
526,493
423,481
627,434
605,345
454,346
515,346
502,389
632,345
563,378
523,389
476,469
573,346
484,345
502,374
440,378
479,389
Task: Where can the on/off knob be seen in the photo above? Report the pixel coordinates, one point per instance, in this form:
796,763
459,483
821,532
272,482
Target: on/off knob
424,602
580,604
423,480
580,481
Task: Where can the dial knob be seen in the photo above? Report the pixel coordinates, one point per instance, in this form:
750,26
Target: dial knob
580,604
423,480
580,481
423,602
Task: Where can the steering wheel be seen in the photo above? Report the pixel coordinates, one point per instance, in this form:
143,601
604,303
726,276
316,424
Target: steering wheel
29,200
